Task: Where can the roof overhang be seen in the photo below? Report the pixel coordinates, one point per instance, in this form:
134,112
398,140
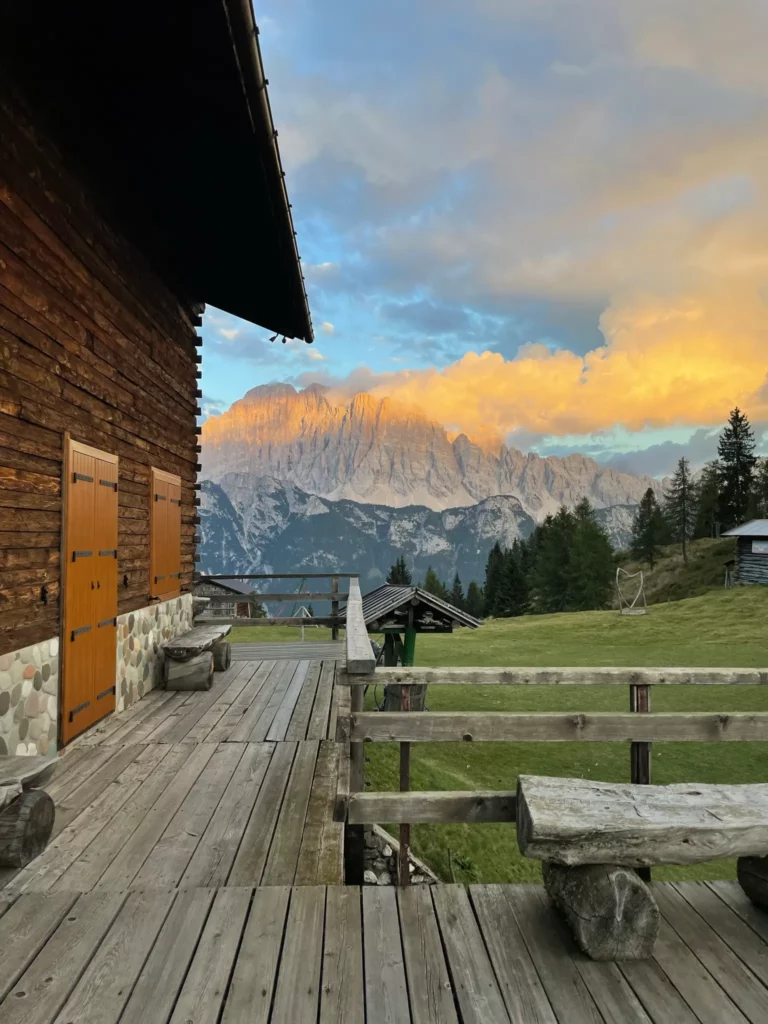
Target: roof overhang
389,606
162,105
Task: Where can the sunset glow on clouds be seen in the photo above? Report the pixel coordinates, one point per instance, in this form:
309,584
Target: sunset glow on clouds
529,219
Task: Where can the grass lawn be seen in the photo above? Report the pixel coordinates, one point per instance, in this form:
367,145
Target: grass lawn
721,628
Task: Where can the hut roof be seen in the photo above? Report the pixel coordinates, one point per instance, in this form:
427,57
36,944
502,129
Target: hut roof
754,528
162,106
389,597
235,586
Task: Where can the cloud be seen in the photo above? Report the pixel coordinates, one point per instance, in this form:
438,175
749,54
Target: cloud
661,365
230,333
327,328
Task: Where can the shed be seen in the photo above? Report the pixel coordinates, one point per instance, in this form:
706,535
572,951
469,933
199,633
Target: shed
751,551
393,609
141,179
233,591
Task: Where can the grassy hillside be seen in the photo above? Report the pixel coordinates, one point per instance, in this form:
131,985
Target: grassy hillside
671,579
722,628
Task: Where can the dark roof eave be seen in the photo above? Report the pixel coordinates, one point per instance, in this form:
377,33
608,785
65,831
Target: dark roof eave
245,40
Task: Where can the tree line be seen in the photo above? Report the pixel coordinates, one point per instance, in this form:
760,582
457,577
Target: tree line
568,564
730,490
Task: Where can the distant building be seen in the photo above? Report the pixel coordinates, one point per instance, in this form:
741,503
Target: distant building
751,551
236,593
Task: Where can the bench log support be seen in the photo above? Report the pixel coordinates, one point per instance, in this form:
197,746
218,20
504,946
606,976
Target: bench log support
194,674
26,824
222,655
610,909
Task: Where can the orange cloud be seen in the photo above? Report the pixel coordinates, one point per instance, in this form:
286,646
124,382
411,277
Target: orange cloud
685,362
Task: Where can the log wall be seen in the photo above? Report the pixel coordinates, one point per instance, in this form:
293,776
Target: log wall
94,342
752,566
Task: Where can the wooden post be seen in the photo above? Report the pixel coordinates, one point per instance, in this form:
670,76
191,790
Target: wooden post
354,835
403,861
640,753
335,608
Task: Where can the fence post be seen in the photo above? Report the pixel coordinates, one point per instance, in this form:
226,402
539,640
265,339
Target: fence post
640,753
403,860
354,835
335,608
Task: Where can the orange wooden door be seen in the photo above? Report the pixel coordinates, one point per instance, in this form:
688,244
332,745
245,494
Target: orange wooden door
105,554
89,586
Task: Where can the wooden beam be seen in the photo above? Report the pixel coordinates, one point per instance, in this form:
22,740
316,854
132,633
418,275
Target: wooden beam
578,821
261,596
280,620
598,676
431,807
360,657
556,727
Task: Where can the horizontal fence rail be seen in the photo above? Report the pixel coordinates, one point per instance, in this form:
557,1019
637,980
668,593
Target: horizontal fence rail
334,620
429,808
597,676
556,727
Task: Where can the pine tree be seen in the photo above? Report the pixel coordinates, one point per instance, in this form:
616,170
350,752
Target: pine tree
591,564
433,585
512,596
680,506
648,529
759,502
475,602
549,576
400,573
494,568
456,596
708,490
736,453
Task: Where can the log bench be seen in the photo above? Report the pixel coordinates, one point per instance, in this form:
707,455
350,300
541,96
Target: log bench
192,657
592,836
26,811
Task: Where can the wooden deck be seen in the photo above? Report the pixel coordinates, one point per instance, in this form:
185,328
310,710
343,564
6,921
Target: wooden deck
195,876
486,955
235,786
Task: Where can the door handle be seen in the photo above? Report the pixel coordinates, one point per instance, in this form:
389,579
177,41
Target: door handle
93,585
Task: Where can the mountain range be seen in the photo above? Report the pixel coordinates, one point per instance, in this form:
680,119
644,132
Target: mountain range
251,524
294,480
379,452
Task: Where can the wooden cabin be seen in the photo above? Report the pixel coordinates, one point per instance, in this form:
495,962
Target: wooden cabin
751,552
139,179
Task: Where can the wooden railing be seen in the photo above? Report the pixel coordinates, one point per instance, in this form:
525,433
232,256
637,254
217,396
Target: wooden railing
334,620
639,727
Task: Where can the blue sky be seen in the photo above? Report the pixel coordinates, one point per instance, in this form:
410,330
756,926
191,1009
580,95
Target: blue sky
540,222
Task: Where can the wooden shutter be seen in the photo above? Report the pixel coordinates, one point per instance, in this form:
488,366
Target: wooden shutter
165,535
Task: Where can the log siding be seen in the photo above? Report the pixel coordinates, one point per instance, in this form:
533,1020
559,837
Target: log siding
92,341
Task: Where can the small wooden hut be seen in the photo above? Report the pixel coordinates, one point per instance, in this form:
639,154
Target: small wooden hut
233,596
751,551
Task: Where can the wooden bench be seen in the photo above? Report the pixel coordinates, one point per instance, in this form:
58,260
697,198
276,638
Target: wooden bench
592,836
192,657
26,812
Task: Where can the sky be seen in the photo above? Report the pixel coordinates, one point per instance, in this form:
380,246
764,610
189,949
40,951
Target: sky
541,222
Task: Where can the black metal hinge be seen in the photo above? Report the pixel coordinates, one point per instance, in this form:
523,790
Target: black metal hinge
175,575
109,483
108,551
158,578
159,497
80,707
82,476
175,501
81,554
79,630
107,622
105,693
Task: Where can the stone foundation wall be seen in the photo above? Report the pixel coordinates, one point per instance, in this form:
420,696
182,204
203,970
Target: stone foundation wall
139,655
29,699
380,860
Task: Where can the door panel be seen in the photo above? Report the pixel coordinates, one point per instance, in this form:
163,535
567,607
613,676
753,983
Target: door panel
89,587
105,554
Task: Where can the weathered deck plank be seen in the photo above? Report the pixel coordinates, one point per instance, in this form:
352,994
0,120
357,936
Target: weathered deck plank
429,983
25,928
386,992
253,979
297,997
297,727
284,852
342,998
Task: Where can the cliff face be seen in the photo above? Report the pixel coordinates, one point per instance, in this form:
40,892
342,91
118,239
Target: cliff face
376,451
257,524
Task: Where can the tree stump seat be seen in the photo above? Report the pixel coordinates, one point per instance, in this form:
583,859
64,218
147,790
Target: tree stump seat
592,836
26,811
192,657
